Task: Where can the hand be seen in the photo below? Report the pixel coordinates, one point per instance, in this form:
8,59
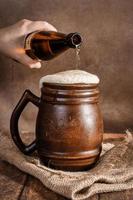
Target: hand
12,40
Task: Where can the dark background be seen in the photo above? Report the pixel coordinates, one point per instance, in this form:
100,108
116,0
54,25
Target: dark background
107,30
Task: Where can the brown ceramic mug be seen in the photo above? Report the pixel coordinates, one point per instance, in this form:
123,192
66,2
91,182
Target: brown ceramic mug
69,125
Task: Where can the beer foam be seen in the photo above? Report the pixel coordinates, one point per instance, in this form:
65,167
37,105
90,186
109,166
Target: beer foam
70,77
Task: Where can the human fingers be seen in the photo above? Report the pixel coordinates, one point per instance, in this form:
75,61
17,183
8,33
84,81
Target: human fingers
25,26
26,60
41,25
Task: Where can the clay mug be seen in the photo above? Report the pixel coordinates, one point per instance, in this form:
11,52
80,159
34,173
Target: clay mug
69,125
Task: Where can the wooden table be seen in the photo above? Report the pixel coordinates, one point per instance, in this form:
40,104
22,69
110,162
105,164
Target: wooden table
16,185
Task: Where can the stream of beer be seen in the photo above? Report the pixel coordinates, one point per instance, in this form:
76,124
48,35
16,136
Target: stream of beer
77,57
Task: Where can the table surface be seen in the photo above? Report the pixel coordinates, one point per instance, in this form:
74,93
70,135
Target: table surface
17,185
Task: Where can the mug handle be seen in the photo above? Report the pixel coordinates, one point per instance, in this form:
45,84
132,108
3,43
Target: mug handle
27,97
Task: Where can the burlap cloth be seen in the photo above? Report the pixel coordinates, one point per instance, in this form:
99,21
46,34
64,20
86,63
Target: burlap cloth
113,172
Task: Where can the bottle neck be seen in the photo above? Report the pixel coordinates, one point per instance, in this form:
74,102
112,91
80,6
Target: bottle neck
71,40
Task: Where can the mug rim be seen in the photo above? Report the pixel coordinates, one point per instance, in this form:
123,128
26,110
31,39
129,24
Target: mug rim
70,85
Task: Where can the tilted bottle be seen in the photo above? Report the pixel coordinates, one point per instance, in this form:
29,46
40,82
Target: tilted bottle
47,45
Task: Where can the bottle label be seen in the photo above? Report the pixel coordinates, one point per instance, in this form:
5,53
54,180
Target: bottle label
27,45
28,39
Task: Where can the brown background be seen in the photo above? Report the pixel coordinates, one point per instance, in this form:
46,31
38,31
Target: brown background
107,30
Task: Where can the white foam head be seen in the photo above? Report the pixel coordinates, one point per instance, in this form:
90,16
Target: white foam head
70,77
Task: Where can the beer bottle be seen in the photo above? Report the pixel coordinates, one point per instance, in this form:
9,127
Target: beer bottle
43,45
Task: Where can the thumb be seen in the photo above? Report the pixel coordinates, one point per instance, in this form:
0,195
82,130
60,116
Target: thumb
26,60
